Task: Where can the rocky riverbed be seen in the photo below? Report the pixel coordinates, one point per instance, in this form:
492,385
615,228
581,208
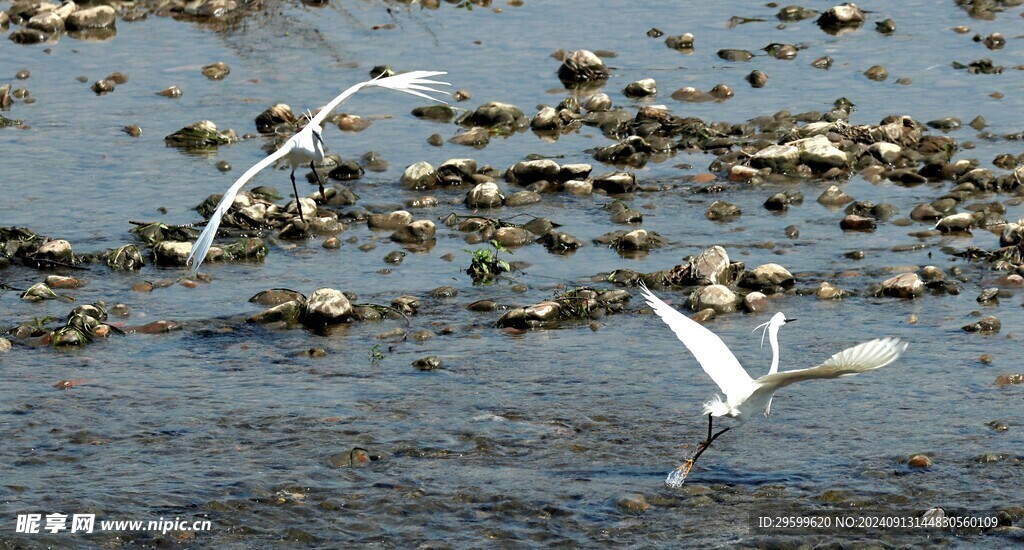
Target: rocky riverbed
450,349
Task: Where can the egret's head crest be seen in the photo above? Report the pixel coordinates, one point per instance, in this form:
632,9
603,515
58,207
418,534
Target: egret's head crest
777,320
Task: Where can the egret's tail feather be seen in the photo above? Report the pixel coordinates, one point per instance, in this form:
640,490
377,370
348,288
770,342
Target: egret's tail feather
716,407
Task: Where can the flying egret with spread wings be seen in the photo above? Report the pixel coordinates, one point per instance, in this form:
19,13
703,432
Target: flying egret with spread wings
307,146
746,396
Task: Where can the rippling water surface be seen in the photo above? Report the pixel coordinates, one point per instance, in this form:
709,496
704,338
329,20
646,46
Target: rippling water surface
553,436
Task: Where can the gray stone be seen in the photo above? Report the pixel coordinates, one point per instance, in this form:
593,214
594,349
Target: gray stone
716,297
326,306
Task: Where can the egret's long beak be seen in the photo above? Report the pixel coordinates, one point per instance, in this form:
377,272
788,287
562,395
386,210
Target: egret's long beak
316,135
790,320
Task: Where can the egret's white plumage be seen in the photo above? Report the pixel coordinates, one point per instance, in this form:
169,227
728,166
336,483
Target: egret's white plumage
307,146
745,396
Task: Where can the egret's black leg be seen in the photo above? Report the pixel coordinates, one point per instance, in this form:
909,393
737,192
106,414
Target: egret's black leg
709,429
704,446
323,197
298,203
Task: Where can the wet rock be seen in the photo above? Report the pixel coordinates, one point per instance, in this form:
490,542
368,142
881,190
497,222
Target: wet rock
173,253
956,223
615,183
824,62
710,267
442,292
886,152
172,91
638,239
581,66
533,316
579,187
904,285
390,220
485,195
721,92
5,345
216,71
887,26
757,79
419,176
557,241
286,312
37,293
273,116
511,237
877,73
325,307
633,504
795,13
546,119
202,134
755,302
838,18
730,54
407,304
828,291
98,17
680,42
416,232
1009,379
598,103
48,22
781,201
28,36
127,257
919,461
767,276
522,198
987,325
395,257
833,196
277,296
779,158
947,124
437,113
925,212
428,363
497,116
820,154
574,171
722,211
641,88
853,222
59,281
530,171
56,250
156,327
716,297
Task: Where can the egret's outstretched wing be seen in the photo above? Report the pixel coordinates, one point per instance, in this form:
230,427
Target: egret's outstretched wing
414,83
205,240
849,362
709,350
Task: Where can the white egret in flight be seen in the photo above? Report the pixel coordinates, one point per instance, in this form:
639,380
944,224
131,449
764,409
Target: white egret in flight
746,396
307,146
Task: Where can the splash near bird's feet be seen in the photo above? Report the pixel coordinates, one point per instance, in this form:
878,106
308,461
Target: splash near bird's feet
676,479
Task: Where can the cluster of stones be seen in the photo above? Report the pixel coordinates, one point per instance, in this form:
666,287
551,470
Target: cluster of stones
574,305
40,21
325,307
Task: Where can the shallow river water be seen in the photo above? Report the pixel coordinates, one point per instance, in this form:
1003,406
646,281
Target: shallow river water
557,436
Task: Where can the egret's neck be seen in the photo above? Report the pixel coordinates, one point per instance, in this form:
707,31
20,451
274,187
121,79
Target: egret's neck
773,339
